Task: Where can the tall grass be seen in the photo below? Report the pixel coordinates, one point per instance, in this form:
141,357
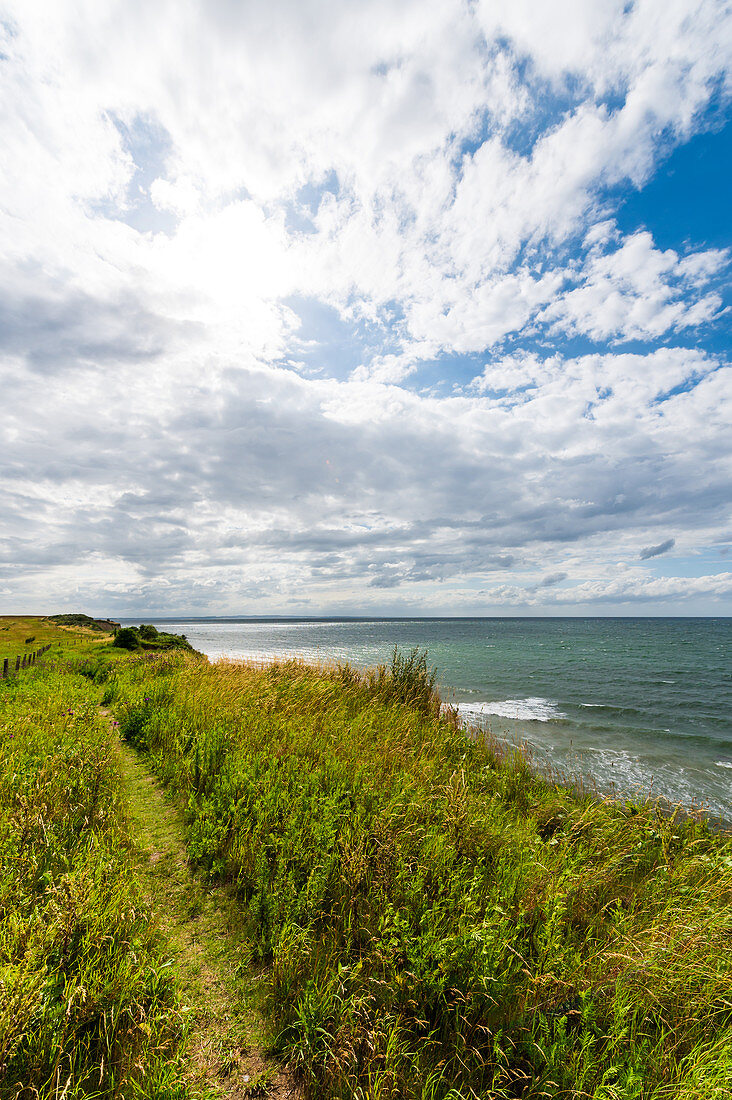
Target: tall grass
87,1004
437,920
406,680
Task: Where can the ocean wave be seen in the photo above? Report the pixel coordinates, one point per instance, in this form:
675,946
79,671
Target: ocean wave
723,763
526,710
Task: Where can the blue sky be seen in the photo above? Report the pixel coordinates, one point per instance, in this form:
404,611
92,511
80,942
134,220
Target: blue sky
382,308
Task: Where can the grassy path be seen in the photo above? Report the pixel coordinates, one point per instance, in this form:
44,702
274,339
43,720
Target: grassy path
200,926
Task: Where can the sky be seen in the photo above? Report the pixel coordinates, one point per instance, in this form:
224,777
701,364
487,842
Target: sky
406,307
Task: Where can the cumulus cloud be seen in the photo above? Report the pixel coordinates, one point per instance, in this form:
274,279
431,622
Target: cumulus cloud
428,186
637,292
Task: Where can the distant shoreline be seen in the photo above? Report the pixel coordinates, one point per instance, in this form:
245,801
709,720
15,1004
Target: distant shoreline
126,620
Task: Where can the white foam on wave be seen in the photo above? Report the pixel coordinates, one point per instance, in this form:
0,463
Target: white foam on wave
593,705
525,710
723,763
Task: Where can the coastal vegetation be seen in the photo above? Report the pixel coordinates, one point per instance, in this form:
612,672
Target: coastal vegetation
85,621
435,919
146,636
424,915
88,1006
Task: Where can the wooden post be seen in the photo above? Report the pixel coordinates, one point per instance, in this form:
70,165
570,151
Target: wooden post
17,664
5,667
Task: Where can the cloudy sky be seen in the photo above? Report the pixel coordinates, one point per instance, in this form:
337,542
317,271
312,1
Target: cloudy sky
390,306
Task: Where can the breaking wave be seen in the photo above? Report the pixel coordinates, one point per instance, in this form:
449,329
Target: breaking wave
525,710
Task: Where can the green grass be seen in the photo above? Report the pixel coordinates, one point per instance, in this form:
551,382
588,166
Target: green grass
201,925
417,912
15,629
88,1007
436,920
122,974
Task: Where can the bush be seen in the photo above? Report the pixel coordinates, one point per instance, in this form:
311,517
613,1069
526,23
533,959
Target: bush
31,639
165,641
148,632
127,638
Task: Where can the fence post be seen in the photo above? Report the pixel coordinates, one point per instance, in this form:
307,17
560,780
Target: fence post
5,667
17,664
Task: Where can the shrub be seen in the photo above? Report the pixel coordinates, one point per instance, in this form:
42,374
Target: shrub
127,638
31,639
165,641
148,632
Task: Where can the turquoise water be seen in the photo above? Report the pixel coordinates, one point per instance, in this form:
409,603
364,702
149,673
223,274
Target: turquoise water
636,706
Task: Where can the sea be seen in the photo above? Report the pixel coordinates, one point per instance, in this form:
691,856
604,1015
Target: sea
629,707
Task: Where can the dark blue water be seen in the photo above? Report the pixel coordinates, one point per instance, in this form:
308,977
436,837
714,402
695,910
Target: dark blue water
636,706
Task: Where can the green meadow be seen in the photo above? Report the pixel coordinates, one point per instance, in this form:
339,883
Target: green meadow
25,633
418,914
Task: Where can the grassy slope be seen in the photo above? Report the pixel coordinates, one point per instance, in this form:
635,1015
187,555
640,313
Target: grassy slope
439,922
15,629
87,1005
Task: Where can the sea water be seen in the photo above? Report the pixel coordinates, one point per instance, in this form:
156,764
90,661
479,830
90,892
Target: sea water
636,706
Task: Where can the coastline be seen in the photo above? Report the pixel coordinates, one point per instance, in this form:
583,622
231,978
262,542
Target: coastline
404,886
571,773
621,703
377,847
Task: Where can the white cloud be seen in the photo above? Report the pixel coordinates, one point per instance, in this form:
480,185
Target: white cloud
618,592
425,168
637,292
262,482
